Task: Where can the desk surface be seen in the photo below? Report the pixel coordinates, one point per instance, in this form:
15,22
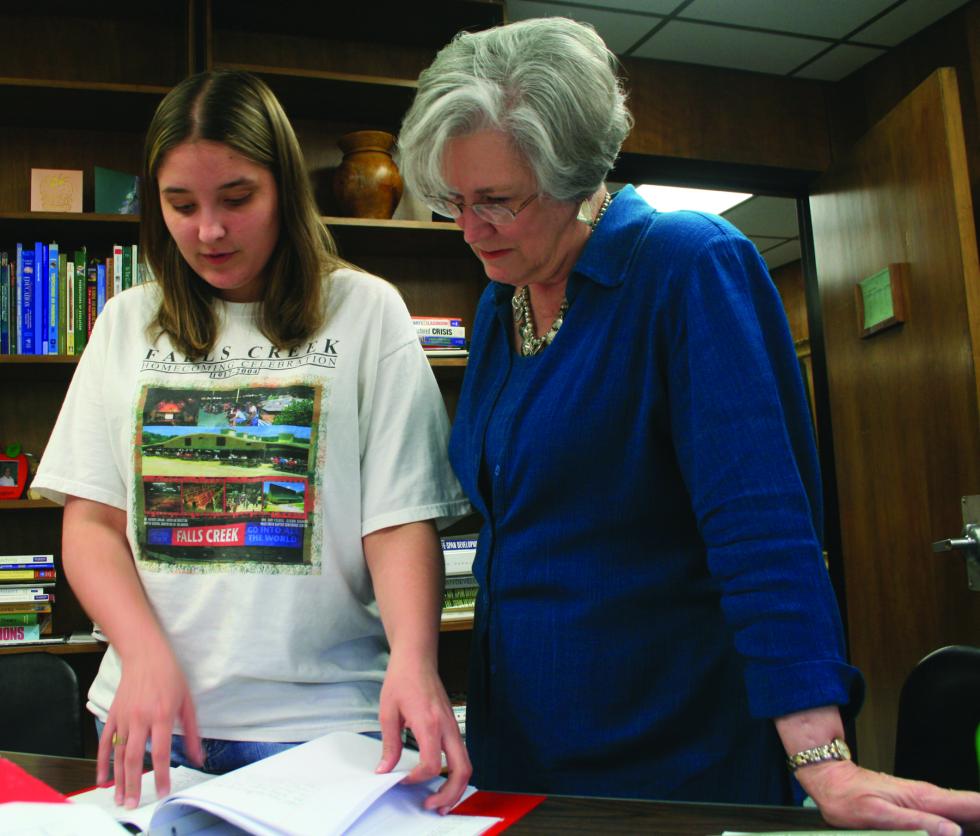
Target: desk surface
558,815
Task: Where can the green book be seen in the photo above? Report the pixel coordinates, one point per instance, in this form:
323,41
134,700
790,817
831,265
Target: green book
17,619
80,300
116,192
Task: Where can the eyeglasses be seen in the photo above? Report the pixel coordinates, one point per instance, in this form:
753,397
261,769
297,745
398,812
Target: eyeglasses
493,213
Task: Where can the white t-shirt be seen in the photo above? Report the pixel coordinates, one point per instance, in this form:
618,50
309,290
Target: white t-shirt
249,477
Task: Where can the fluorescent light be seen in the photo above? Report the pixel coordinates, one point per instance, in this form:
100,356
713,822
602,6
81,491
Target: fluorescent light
669,198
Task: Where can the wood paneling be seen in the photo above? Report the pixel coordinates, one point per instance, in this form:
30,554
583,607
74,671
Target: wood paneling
792,290
711,114
904,403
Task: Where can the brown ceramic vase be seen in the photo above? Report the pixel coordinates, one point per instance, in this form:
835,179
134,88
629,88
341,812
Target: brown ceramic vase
367,184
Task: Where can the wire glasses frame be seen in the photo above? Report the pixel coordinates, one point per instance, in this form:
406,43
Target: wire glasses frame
494,213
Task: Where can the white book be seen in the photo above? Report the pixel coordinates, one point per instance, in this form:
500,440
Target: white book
326,786
440,330
40,560
10,594
459,561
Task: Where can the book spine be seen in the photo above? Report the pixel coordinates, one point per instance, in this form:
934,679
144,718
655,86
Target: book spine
40,299
52,288
12,619
440,331
127,266
70,308
443,342
4,305
15,301
62,303
22,633
33,560
444,321
118,269
27,593
25,293
91,297
8,575
25,606
81,298
101,287
449,543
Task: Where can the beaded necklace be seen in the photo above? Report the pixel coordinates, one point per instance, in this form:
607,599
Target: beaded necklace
531,343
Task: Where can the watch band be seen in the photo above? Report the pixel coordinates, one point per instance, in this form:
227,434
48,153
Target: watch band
836,750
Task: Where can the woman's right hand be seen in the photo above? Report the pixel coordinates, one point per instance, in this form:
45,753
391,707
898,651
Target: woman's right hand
152,694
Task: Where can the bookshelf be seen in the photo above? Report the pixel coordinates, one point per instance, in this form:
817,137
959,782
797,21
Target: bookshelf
80,82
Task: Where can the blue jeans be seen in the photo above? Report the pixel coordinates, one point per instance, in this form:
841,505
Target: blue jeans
220,756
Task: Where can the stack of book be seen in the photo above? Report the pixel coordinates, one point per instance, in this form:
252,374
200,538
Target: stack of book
441,336
459,596
49,298
26,595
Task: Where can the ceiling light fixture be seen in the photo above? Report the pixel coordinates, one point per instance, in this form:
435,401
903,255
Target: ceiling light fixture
669,198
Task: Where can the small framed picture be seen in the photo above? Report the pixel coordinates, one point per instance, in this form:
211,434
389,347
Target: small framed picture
13,476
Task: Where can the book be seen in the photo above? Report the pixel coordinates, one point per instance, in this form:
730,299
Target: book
70,308
443,342
63,303
117,269
51,310
116,192
25,606
56,190
19,633
25,294
26,594
80,299
43,621
459,553
432,351
22,560
8,575
440,330
424,321
325,786
40,298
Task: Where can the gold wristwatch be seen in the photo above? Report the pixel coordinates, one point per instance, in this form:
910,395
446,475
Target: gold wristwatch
836,750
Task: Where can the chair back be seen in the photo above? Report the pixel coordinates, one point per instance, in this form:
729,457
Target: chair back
939,719
40,705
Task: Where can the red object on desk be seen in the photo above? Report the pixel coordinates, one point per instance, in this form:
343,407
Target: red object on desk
504,805
17,785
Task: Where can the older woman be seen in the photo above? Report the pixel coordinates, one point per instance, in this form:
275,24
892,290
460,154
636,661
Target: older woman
654,617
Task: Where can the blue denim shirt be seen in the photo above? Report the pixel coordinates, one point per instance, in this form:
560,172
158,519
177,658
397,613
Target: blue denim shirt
652,588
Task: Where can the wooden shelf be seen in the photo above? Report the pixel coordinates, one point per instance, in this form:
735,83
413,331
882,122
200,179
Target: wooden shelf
27,504
86,105
62,649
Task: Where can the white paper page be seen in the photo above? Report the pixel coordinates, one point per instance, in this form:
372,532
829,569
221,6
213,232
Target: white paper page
19,818
400,811
319,787
181,777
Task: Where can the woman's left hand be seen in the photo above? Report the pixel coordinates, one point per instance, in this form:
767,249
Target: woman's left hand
850,796
414,697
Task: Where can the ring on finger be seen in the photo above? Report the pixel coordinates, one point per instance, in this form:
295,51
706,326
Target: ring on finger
117,740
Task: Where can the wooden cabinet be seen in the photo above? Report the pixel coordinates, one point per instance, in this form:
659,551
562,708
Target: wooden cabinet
78,85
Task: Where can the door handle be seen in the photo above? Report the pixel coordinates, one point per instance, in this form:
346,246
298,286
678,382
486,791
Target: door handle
969,544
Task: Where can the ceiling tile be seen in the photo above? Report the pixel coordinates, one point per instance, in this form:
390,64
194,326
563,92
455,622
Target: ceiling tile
782,254
620,30
763,215
661,7
906,20
839,62
697,43
825,18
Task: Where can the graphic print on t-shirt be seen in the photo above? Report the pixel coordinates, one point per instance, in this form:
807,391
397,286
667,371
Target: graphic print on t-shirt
227,477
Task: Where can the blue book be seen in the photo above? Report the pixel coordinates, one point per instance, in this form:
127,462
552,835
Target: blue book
25,285
16,346
100,289
4,304
52,303
40,301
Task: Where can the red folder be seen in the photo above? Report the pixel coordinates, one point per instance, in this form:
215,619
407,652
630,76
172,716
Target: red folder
17,785
508,806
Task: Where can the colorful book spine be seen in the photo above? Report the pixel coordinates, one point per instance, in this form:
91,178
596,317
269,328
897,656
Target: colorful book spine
118,262
4,304
40,298
70,308
21,633
11,575
26,594
63,303
81,299
443,342
424,321
450,543
14,304
25,606
51,315
440,330
101,287
12,619
127,266
38,561
91,296
26,294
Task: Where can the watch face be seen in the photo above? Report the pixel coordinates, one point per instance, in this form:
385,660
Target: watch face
843,748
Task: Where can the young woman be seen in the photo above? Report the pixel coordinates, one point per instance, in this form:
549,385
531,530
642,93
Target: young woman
242,570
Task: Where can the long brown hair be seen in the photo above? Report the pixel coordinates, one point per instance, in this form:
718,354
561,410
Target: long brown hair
239,110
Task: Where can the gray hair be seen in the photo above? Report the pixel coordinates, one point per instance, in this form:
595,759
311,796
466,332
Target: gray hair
549,83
